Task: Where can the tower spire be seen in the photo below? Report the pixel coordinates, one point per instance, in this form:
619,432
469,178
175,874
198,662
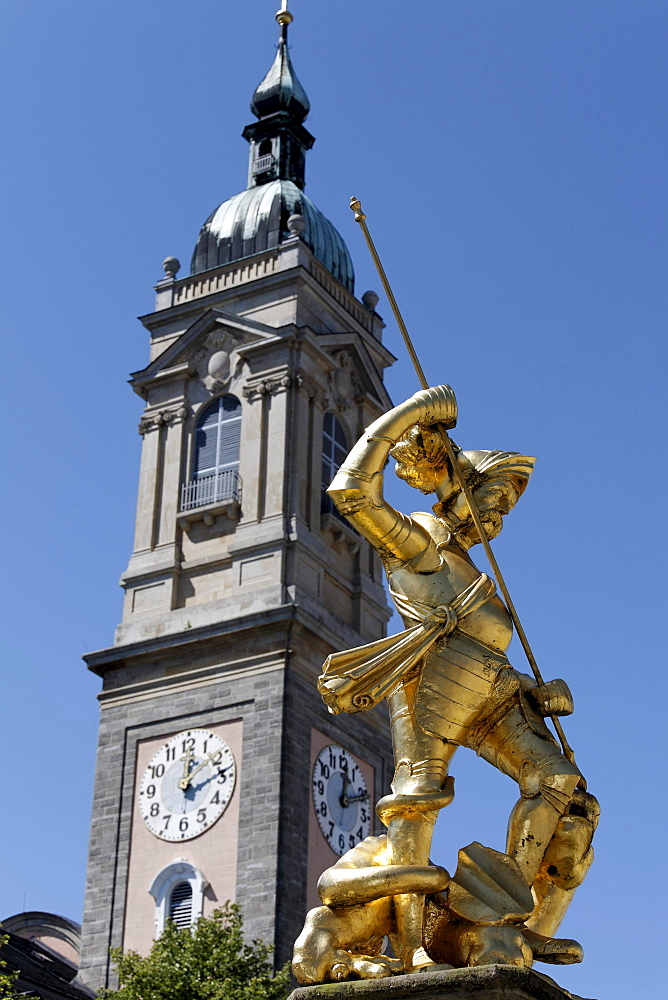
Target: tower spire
278,139
256,219
280,90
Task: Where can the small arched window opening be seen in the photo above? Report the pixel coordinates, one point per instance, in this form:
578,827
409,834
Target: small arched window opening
215,474
264,158
181,905
178,891
334,451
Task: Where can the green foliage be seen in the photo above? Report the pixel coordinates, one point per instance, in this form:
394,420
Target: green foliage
7,987
209,962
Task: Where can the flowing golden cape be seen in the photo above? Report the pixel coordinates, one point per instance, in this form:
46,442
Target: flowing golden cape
356,680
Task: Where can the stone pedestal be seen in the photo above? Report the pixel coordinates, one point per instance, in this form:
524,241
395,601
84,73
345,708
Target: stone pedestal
486,982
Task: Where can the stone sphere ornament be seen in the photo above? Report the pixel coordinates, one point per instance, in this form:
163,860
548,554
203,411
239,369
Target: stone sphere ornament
171,266
219,366
296,225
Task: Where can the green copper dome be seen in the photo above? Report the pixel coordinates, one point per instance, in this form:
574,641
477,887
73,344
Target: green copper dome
257,220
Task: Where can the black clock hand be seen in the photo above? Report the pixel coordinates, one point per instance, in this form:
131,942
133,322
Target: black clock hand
343,798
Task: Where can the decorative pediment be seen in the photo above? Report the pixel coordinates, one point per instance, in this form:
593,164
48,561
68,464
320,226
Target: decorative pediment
353,373
215,361
209,349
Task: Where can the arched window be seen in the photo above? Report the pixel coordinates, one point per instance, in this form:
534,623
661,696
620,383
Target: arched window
217,438
181,905
215,473
334,450
178,891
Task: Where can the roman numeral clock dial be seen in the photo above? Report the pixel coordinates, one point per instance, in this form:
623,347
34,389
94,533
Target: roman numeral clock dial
340,799
187,785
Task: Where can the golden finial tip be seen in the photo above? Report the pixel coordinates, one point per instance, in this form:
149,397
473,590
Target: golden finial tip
356,207
283,16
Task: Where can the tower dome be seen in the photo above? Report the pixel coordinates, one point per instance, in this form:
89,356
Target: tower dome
257,219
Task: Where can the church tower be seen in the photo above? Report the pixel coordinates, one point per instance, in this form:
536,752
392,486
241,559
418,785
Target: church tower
220,774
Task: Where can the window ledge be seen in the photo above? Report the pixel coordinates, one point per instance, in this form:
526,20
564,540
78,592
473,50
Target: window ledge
342,534
209,512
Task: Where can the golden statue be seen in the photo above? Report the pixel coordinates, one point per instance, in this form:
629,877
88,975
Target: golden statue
447,683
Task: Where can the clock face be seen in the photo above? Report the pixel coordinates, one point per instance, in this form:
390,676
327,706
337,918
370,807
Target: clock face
341,799
187,785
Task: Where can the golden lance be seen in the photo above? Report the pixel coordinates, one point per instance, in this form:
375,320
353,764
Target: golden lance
360,217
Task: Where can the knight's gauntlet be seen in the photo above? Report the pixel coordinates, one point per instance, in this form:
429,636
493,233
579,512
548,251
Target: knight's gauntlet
551,698
357,487
437,405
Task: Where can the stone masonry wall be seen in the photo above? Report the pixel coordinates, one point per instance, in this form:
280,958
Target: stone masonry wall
257,700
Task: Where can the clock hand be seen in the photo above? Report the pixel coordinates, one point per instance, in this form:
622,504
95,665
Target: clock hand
343,798
214,758
357,798
196,788
187,759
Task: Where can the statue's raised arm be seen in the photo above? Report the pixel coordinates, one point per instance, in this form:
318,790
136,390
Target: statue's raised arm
357,489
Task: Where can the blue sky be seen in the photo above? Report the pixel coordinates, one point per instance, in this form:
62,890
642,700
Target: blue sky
511,157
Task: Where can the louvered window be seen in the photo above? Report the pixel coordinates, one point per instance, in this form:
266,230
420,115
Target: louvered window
215,473
334,450
181,905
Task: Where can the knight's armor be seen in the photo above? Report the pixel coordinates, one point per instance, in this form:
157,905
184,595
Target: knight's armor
446,678
466,626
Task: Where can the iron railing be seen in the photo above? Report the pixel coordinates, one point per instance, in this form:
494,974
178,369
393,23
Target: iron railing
225,485
262,163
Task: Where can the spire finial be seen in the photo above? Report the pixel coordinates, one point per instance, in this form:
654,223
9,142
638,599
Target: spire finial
281,90
284,18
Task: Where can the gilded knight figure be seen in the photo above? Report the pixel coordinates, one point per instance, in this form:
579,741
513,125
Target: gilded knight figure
446,678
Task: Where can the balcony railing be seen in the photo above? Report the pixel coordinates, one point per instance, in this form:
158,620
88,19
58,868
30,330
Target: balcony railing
219,486
263,163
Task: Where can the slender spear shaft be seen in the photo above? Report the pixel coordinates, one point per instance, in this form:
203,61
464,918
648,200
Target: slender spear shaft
360,217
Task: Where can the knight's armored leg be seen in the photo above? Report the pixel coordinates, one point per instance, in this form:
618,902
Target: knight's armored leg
534,819
566,862
419,790
520,745
410,836
410,817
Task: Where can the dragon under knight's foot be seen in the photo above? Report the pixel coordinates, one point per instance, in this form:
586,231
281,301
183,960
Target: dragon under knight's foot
364,967
554,951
